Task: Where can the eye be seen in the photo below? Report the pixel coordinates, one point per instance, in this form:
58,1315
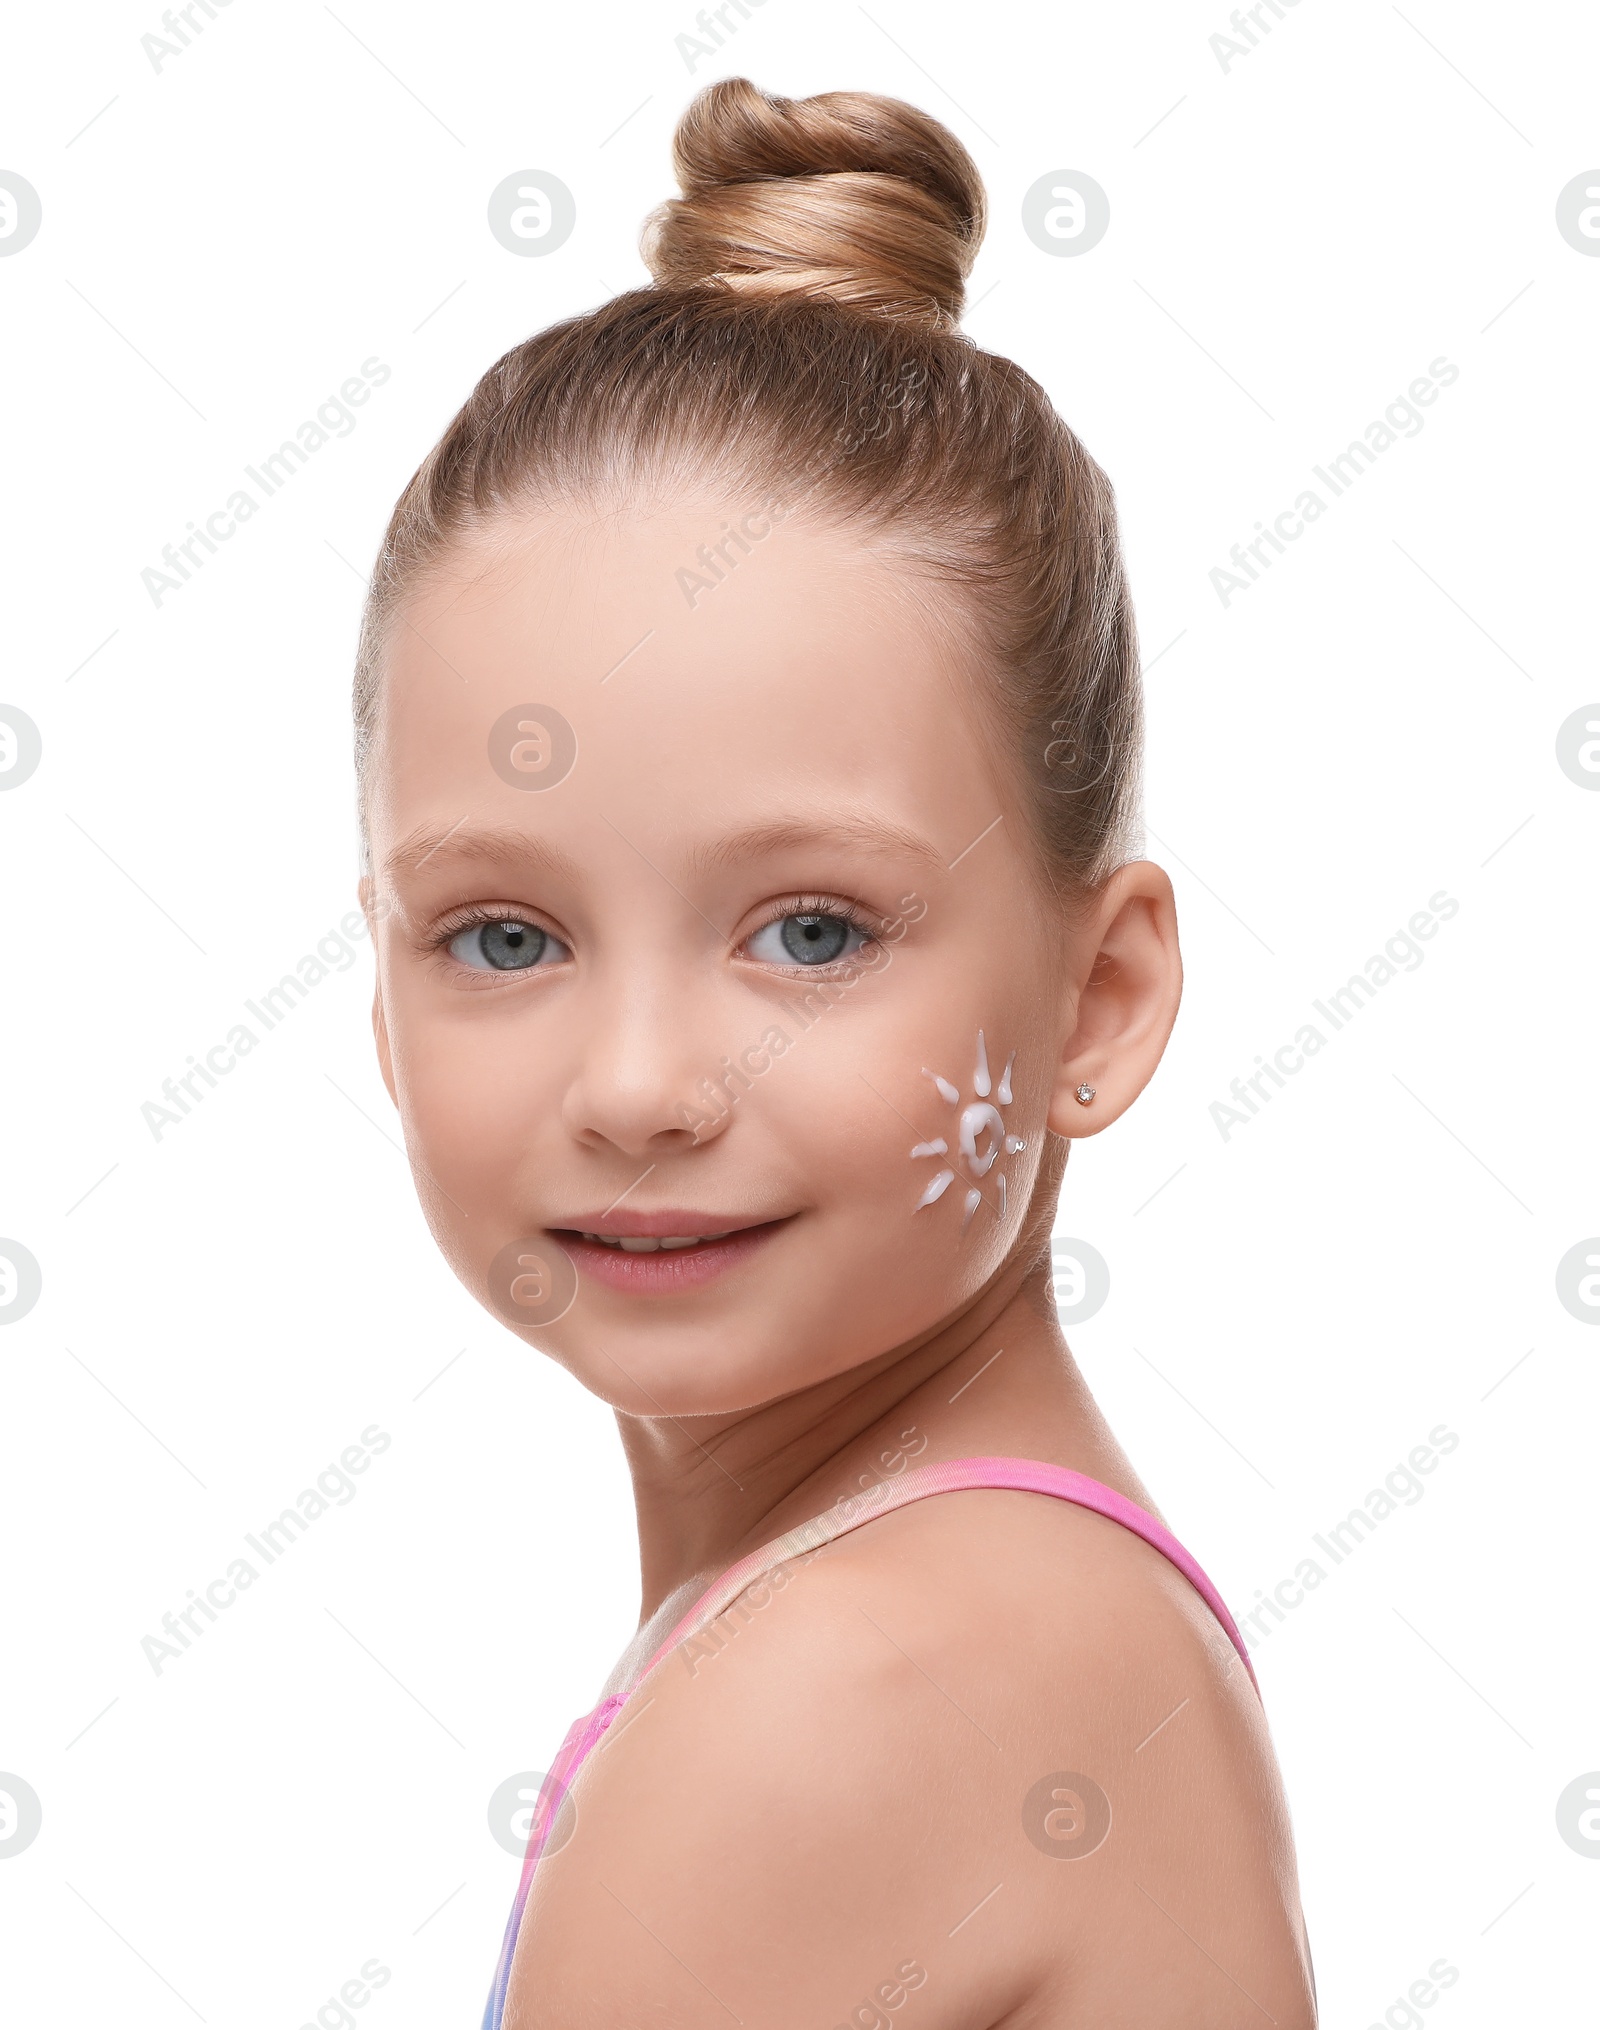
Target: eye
808,939
506,945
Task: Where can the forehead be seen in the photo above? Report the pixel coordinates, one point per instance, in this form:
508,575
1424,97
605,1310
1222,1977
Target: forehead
713,667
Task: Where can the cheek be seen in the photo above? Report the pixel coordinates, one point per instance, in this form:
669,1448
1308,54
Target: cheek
472,1095
928,1136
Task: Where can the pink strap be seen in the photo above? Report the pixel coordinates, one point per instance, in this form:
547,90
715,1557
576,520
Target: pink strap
1028,1476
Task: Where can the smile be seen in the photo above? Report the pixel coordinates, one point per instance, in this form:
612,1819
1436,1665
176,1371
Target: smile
663,1254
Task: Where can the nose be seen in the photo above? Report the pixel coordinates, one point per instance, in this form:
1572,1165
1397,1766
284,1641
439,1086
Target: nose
643,1084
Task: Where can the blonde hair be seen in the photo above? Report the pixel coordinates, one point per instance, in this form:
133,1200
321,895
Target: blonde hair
800,338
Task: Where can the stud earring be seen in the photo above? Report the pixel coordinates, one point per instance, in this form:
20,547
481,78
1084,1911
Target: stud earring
1084,1094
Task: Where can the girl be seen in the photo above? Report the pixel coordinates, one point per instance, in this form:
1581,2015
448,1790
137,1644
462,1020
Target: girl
748,731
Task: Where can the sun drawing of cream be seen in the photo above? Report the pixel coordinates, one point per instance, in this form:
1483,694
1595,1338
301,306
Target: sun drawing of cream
981,1136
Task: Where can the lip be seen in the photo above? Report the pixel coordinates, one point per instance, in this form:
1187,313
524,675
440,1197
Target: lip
656,1225
665,1272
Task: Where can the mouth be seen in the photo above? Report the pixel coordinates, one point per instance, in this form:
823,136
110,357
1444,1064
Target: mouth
659,1253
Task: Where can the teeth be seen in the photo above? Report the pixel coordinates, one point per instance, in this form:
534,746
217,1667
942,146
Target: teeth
644,1245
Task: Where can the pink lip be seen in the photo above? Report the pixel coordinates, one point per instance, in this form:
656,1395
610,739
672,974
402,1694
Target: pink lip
656,1225
670,1270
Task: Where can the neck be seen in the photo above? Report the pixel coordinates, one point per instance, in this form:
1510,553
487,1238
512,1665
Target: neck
997,1379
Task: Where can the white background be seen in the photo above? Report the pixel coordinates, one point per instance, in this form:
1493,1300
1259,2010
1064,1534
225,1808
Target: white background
1293,240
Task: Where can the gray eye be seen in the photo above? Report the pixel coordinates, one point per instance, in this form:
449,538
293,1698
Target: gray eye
506,946
806,940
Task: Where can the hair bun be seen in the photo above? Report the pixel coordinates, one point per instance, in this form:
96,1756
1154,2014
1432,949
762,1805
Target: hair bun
849,195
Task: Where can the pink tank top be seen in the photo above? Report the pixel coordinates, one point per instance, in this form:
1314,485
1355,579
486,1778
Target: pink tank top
1030,1476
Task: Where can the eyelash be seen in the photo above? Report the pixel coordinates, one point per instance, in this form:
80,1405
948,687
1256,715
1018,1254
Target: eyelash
470,917
440,938
819,905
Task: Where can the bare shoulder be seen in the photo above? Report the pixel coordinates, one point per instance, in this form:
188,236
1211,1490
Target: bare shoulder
988,1759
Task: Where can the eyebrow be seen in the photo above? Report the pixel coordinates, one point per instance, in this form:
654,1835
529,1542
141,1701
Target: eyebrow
505,846
777,835
500,844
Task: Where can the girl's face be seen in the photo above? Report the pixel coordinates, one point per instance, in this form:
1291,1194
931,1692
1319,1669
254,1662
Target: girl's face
706,913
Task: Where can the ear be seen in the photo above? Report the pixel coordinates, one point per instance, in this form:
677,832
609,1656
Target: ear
366,895
1126,1005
